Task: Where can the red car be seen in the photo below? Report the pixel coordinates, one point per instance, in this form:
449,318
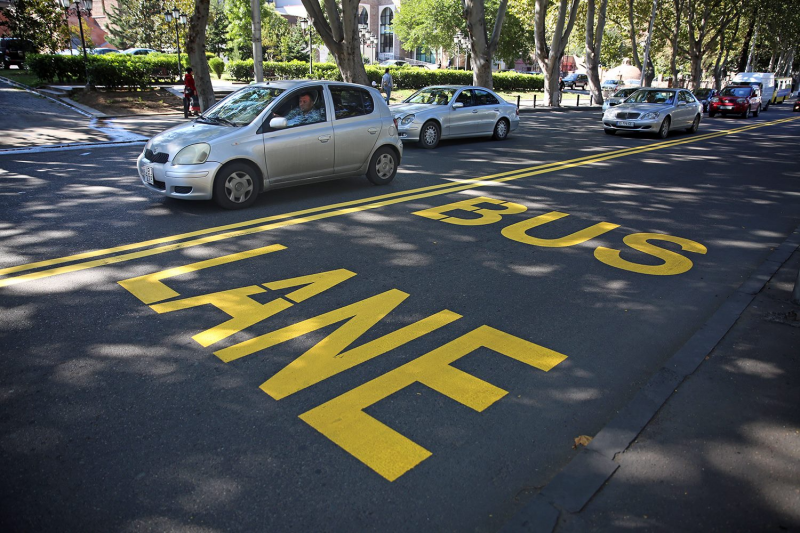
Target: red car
796,104
737,100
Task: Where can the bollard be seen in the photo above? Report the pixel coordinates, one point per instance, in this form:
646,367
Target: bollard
578,104
534,101
796,292
591,100
518,97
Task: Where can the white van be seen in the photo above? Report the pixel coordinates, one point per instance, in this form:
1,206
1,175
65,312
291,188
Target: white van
765,81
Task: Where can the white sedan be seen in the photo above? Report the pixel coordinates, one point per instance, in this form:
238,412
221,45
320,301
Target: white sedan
454,111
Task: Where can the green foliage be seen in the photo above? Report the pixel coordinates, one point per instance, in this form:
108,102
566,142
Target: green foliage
217,29
112,71
217,66
240,29
404,77
141,23
38,21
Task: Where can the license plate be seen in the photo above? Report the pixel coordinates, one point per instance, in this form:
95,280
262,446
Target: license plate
726,107
624,123
148,174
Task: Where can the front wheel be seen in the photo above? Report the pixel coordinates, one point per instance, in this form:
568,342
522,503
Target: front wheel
236,186
382,166
746,113
429,136
663,131
501,130
609,131
695,125
711,114
757,111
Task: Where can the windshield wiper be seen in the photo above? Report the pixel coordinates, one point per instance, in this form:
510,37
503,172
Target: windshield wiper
217,120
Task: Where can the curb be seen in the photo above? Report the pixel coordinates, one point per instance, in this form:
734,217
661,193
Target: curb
572,487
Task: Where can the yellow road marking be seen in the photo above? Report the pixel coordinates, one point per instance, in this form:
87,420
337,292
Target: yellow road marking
335,210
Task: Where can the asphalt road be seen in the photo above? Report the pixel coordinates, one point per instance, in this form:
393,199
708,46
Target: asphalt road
430,369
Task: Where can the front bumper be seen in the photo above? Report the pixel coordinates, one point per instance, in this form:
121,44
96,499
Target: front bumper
727,108
409,133
187,182
632,124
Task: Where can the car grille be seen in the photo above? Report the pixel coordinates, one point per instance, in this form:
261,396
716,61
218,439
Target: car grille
156,157
624,116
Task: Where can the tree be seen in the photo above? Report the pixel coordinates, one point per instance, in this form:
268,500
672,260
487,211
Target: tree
240,28
38,21
483,46
549,57
217,31
196,49
141,23
338,28
594,39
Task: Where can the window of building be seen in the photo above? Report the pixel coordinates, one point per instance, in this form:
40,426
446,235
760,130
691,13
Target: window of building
424,54
363,17
386,31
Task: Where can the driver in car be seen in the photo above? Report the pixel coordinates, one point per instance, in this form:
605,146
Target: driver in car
305,113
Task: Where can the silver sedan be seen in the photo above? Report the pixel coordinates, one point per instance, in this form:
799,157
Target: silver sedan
274,134
656,111
454,111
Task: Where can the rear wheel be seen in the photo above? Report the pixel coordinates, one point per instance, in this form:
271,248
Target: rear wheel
663,131
695,125
501,130
382,166
429,135
236,186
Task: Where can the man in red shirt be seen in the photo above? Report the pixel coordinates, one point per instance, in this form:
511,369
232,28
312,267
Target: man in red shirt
190,92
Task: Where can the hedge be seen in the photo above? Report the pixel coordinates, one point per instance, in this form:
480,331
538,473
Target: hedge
403,77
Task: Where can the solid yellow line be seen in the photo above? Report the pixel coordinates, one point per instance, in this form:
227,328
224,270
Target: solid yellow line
406,196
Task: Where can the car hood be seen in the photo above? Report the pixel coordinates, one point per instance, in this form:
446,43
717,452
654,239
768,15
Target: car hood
401,110
642,108
174,139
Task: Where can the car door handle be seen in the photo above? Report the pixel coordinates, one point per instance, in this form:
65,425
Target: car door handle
474,110
324,138
373,130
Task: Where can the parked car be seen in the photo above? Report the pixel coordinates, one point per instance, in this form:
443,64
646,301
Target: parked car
704,95
13,50
576,81
274,134
736,100
796,106
656,111
618,97
103,51
393,63
139,51
632,83
610,85
454,111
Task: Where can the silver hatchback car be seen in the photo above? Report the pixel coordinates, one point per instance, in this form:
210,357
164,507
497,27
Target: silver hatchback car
656,111
274,134
454,111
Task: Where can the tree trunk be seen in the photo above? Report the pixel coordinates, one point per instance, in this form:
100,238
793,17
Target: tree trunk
550,58
746,44
632,35
258,53
482,46
594,39
339,32
196,49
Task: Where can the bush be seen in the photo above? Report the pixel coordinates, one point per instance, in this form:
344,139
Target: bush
110,70
217,66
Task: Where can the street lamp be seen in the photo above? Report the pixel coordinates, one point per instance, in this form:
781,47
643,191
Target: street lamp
461,42
86,7
308,23
366,38
176,15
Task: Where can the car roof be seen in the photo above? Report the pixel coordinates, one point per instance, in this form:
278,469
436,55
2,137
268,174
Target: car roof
292,84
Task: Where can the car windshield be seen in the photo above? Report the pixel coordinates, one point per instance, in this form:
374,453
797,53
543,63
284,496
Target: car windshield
651,97
241,107
624,93
702,93
431,95
740,92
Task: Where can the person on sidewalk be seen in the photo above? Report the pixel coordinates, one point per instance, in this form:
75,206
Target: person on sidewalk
190,93
386,85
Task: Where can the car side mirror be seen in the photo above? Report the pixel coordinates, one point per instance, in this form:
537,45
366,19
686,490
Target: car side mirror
681,103
278,123
458,105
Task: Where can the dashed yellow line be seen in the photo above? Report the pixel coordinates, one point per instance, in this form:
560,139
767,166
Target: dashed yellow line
249,227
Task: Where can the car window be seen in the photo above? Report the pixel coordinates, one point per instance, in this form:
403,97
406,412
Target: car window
351,102
302,107
431,95
740,92
243,106
652,97
484,98
465,97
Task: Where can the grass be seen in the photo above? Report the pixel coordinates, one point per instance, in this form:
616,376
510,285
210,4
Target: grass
22,76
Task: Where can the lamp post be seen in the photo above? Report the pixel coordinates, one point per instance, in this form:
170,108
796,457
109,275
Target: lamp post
308,23
366,38
86,6
461,42
176,15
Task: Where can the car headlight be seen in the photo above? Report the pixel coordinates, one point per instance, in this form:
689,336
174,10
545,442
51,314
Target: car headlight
194,154
714,99
652,115
740,100
408,119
